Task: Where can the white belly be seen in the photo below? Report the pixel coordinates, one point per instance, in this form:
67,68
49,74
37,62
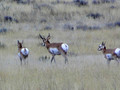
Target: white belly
54,51
117,51
109,56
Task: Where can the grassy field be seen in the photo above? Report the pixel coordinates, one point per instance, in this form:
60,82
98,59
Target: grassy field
87,68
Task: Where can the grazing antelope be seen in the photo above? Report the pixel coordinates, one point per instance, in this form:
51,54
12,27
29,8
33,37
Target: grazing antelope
110,54
22,51
55,48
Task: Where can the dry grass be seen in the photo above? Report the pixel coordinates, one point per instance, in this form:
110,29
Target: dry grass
87,69
82,72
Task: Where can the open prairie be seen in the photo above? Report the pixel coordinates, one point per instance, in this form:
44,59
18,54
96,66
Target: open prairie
87,68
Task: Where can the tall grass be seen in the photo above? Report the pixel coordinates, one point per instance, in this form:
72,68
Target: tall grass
84,73
86,70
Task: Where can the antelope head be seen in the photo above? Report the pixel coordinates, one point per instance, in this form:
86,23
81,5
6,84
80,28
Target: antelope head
101,46
19,44
45,40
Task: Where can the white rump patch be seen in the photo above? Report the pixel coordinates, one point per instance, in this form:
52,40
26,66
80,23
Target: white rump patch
109,56
65,47
54,51
24,51
117,51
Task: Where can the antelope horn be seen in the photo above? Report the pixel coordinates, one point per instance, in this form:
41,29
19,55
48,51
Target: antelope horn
40,36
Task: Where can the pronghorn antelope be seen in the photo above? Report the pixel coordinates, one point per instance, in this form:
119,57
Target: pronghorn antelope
55,48
110,54
22,51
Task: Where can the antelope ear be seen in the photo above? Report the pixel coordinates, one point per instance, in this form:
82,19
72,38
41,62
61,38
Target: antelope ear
48,37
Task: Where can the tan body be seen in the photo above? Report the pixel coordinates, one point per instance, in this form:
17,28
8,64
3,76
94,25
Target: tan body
106,51
55,48
109,51
110,54
55,45
22,52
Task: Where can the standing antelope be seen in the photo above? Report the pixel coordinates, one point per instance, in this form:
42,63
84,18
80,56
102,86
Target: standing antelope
110,54
55,48
22,51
